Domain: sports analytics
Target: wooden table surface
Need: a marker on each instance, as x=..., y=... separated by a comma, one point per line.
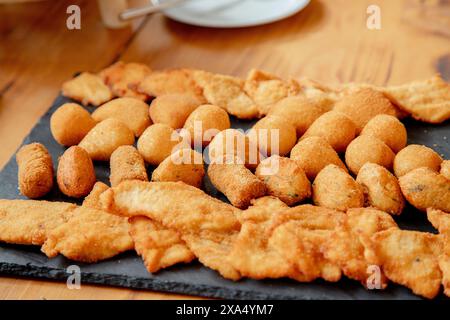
x=328, y=41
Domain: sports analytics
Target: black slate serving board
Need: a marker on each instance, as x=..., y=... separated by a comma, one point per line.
x=127, y=269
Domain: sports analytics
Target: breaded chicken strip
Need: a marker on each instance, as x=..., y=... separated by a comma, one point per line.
x=158, y=246
x=208, y=225
x=92, y=200
x=31, y=221
x=441, y=221
x=409, y=258
x=89, y=236
x=349, y=246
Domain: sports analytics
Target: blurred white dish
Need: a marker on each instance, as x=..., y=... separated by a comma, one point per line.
x=234, y=13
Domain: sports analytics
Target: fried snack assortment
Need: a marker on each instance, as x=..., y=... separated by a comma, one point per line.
x=75, y=174
x=35, y=170
x=70, y=123
x=349, y=231
x=131, y=111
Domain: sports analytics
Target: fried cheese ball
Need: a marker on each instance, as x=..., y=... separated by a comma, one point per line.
x=70, y=123
x=273, y=135
x=334, y=188
x=158, y=142
x=300, y=111
x=284, y=179
x=445, y=168
x=127, y=164
x=425, y=188
x=204, y=123
x=75, y=175
x=313, y=154
x=106, y=137
x=173, y=109
x=366, y=149
x=388, y=129
x=416, y=156
x=235, y=144
x=35, y=170
x=381, y=189
x=363, y=104
x=335, y=127
x=184, y=165
x=131, y=111
x=236, y=182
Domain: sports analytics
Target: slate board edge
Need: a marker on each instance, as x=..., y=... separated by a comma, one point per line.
x=126, y=281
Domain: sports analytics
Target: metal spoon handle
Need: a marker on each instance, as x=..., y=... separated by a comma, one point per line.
x=148, y=9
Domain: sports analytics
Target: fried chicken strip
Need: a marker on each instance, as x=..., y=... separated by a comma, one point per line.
x=207, y=225
x=158, y=246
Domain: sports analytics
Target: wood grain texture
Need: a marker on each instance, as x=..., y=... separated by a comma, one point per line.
x=328, y=41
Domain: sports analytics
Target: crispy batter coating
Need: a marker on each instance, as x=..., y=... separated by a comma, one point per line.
x=363, y=104
x=349, y=246
x=228, y=93
x=207, y=225
x=284, y=179
x=299, y=234
x=204, y=123
x=235, y=144
x=425, y=188
x=184, y=165
x=158, y=142
x=131, y=111
x=70, y=123
x=158, y=246
x=93, y=198
x=313, y=154
x=90, y=235
x=427, y=101
x=409, y=258
x=174, y=81
x=445, y=168
x=388, y=129
x=323, y=95
x=127, y=164
x=441, y=221
x=273, y=135
x=106, y=137
x=366, y=149
x=35, y=170
x=87, y=88
x=335, y=189
x=416, y=156
x=123, y=78
x=381, y=189
x=299, y=110
x=31, y=221
x=335, y=127
x=236, y=182
x=262, y=210
x=75, y=175
x=267, y=89
x=173, y=109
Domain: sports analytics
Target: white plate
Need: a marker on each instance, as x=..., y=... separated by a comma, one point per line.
x=234, y=13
